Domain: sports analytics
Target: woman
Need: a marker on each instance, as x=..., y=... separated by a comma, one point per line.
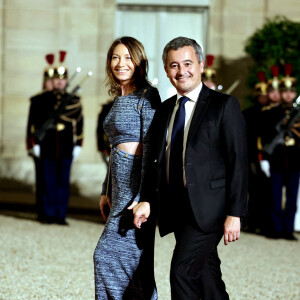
x=123, y=258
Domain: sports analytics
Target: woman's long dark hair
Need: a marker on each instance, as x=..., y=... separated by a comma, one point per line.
x=139, y=58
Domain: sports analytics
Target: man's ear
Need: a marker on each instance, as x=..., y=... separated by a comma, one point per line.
x=202, y=63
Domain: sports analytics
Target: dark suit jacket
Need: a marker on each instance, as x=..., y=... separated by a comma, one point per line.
x=215, y=163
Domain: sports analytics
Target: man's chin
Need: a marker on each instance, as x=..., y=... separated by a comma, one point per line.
x=183, y=89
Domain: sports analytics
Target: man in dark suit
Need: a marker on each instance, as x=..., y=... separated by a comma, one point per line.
x=210, y=196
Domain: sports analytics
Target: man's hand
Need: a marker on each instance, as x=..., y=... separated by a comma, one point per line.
x=232, y=228
x=141, y=212
x=104, y=201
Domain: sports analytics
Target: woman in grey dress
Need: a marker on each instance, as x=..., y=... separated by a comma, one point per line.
x=123, y=258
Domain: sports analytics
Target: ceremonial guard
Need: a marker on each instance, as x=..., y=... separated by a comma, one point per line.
x=209, y=74
x=259, y=187
x=281, y=156
x=273, y=91
x=58, y=135
x=33, y=149
x=268, y=121
x=102, y=140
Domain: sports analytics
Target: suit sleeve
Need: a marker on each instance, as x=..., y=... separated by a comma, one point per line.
x=147, y=114
x=235, y=140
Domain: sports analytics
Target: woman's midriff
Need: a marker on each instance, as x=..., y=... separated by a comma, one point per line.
x=135, y=148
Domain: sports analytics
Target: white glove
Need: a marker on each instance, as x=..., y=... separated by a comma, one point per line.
x=265, y=167
x=76, y=151
x=36, y=151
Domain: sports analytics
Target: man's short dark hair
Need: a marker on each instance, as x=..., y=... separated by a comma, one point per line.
x=181, y=42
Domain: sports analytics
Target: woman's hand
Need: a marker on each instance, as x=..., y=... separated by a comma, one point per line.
x=104, y=200
x=141, y=212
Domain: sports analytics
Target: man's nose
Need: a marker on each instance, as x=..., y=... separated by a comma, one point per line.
x=181, y=70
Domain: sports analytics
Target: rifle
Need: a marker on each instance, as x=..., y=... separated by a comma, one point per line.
x=283, y=128
x=58, y=110
x=232, y=87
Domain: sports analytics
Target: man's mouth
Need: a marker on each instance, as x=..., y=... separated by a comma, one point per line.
x=182, y=78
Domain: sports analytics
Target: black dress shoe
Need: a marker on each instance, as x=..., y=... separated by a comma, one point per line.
x=274, y=235
x=62, y=222
x=47, y=220
x=289, y=236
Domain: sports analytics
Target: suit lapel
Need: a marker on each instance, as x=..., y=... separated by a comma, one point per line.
x=200, y=109
x=166, y=115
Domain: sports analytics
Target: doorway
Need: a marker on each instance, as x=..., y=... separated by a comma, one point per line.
x=155, y=26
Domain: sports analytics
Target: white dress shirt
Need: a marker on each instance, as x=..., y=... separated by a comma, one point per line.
x=189, y=111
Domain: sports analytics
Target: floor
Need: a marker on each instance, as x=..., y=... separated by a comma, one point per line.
x=55, y=262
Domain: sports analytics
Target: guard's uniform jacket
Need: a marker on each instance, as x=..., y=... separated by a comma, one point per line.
x=65, y=132
x=285, y=157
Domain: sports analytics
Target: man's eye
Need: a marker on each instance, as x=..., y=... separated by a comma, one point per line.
x=173, y=66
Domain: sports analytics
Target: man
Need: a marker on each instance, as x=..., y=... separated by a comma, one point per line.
x=268, y=120
x=282, y=164
x=273, y=91
x=58, y=136
x=259, y=188
x=209, y=195
x=33, y=150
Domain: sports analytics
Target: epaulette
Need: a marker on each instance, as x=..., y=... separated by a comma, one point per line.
x=270, y=106
x=267, y=107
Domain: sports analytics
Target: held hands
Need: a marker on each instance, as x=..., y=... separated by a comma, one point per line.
x=76, y=151
x=232, y=227
x=265, y=167
x=104, y=200
x=141, y=212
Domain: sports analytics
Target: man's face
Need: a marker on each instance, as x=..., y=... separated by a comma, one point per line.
x=274, y=96
x=59, y=84
x=288, y=96
x=48, y=85
x=262, y=99
x=183, y=69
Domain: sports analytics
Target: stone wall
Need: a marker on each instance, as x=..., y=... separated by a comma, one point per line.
x=85, y=28
x=30, y=30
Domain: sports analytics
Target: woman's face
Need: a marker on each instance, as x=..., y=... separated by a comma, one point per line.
x=288, y=96
x=122, y=65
